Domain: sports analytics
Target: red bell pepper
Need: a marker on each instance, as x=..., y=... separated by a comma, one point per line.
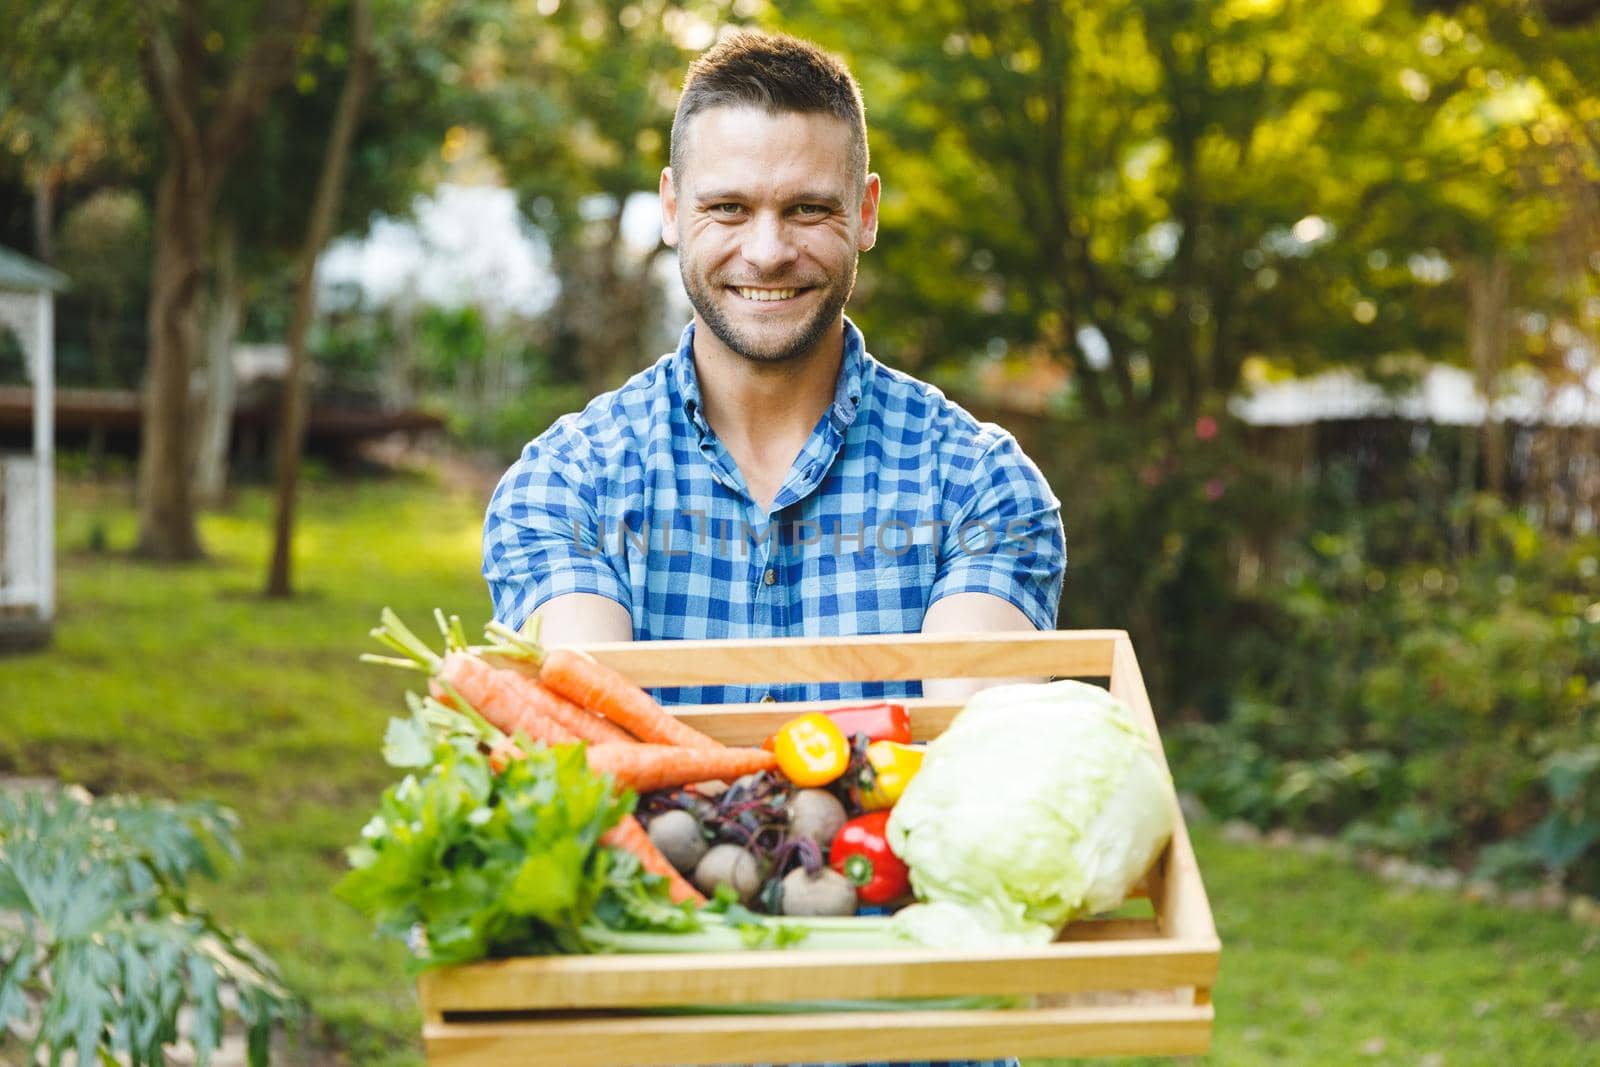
x=877, y=722
x=880, y=722
x=860, y=851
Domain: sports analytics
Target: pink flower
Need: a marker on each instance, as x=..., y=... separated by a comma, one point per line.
x=1215, y=489
x=1205, y=427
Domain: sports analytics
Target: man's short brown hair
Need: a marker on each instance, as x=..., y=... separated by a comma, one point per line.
x=777, y=73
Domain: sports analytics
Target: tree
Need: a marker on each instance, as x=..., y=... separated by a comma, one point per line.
x=263, y=213
x=210, y=73
x=330, y=186
x=1151, y=195
x=104, y=247
x=69, y=109
x=578, y=107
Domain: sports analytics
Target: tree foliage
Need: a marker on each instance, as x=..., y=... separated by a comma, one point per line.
x=1152, y=194
x=578, y=103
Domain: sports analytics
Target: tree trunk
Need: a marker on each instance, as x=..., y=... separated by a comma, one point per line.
x=1488, y=297
x=200, y=144
x=44, y=213
x=222, y=330
x=166, y=513
x=330, y=184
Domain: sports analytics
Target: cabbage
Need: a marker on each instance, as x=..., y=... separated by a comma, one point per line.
x=1040, y=803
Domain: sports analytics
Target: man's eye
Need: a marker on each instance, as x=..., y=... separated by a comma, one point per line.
x=726, y=210
x=810, y=211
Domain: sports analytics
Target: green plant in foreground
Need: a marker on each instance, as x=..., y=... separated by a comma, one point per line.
x=100, y=945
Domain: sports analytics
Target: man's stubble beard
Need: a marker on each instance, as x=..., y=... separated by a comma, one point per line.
x=813, y=331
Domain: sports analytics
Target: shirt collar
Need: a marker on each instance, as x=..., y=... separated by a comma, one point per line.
x=846, y=392
x=687, y=381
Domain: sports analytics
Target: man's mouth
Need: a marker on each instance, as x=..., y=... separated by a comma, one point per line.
x=766, y=295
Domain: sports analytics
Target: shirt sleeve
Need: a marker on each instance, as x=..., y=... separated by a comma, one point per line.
x=1005, y=536
x=542, y=536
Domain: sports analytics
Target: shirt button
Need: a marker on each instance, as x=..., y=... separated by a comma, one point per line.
x=769, y=698
x=771, y=577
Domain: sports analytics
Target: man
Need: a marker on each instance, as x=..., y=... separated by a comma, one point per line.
x=771, y=478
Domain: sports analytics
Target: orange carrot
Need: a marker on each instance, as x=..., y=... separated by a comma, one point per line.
x=520, y=688
x=646, y=767
x=591, y=684
x=489, y=693
x=632, y=837
x=503, y=752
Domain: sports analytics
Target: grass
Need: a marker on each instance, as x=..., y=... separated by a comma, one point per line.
x=1323, y=964
x=182, y=681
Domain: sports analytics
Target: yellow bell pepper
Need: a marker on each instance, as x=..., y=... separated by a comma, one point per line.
x=811, y=750
x=890, y=766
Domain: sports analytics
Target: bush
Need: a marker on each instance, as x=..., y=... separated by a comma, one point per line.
x=1425, y=698
x=107, y=948
x=1160, y=516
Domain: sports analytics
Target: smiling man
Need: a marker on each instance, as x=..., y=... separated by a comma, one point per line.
x=770, y=477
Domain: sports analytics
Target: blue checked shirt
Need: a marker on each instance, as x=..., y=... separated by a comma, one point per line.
x=898, y=498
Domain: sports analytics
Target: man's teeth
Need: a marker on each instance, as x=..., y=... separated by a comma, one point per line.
x=766, y=294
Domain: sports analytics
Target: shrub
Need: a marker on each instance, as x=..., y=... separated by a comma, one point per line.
x=1435, y=694
x=1159, y=517
x=100, y=944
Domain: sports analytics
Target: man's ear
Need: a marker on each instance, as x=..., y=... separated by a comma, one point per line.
x=669, y=209
x=869, y=213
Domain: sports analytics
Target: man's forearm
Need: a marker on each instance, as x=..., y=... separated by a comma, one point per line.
x=967, y=613
x=581, y=619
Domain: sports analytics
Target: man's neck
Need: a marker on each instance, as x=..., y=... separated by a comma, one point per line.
x=760, y=404
x=764, y=412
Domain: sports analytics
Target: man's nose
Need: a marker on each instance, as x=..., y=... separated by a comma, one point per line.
x=769, y=244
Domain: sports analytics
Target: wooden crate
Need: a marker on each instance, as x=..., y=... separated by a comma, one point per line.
x=1108, y=986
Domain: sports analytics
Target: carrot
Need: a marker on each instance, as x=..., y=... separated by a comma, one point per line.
x=492, y=696
x=646, y=767
x=632, y=837
x=589, y=683
x=459, y=668
x=503, y=752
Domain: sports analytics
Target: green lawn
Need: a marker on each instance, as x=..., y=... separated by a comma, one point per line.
x=184, y=682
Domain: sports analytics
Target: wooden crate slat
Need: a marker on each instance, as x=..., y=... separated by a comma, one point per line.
x=776, y=976
x=1176, y=887
x=1111, y=930
x=883, y=657
x=657, y=1041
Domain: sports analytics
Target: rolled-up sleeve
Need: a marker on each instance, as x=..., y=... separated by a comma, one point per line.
x=542, y=535
x=1004, y=536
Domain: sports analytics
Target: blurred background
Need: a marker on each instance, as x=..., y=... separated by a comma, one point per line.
x=1296, y=304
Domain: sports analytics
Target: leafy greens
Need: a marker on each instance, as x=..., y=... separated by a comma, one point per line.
x=467, y=862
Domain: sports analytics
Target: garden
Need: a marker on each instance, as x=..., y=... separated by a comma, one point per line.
x=186, y=685
x=1296, y=307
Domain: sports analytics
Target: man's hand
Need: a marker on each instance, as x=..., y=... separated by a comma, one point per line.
x=964, y=613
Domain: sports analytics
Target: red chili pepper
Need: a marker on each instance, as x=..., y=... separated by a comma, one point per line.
x=860, y=851
x=877, y=722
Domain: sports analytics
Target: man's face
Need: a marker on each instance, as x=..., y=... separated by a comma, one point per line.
x=768, y=220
